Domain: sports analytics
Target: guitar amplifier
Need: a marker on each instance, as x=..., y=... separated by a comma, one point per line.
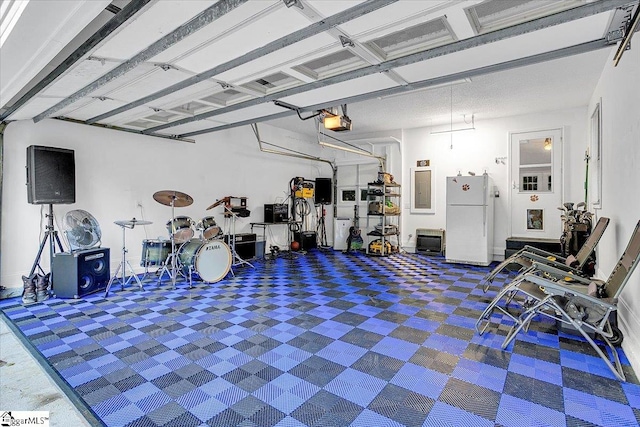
x=277, y=212
x=245, y=244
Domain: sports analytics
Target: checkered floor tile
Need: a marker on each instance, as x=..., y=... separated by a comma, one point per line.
x=324, y=339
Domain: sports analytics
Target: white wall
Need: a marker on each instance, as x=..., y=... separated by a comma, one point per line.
x=476, y=151
x=115, y=170
x=619, y=91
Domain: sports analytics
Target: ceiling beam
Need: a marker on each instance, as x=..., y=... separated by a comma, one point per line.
x=312, y=30
x=450, y=78
x=114, y=23
x=569, y=15
x=204, y=18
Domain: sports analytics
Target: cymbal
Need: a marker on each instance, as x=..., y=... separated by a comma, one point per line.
x=167, y=197
x=131, y=222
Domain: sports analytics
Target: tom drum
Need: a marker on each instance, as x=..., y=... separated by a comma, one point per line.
x=210, y=229
x=155, y=252
x=182, y=229
x=211, y=259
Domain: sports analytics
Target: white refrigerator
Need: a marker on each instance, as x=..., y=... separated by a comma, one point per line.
x=469, y=220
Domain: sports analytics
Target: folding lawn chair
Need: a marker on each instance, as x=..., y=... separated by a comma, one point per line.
x=529, y=254
x=527, y=259
x=577, y=305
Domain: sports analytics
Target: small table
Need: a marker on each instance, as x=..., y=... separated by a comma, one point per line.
x=266, y=225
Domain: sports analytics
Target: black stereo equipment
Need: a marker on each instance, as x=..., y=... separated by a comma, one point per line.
x=323, y=191
x=307, y=239
x=80, y=273
x=277, y=212
x=245, y=244
x=51, y=175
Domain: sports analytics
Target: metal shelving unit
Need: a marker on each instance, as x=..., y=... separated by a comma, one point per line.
x=384, y=209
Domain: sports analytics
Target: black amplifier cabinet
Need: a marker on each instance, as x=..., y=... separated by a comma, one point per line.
x=80, y=273
x=307, y=239
x=245, y=244
x=277, y=212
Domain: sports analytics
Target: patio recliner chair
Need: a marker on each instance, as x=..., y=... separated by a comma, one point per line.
x=527, y=260
x=577, y=305
x=525, y=256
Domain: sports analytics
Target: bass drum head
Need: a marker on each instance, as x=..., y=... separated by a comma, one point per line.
x=188, y=252
x=213, y=261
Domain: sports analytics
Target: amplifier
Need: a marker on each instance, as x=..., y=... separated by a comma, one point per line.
x=277, y=212
x=245, y=244
x=307, y=239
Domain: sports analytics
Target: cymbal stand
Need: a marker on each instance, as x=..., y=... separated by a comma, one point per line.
x=237, y=260
x=123, y=266
x=172, y=257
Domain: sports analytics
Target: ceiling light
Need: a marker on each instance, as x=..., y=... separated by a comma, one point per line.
x=472, y=127
x=337, y=123
x=547, y=144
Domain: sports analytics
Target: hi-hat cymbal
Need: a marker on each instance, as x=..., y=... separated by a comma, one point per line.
x=169, y=197
x=131, y=222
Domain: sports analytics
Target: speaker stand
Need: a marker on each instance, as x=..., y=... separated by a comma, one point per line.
x=123, y=266
x=50, y=235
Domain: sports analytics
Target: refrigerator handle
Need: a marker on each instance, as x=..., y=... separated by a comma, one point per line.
x=484, y=210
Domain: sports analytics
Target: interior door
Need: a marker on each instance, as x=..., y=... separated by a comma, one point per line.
x=536, y=184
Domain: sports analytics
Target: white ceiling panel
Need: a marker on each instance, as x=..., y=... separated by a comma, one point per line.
x=95, y=107
x=290, y=55
x=551, y=38
x=271, y=27
x=192, y=127
x=249, y=113
x=159, y=20
x=129, y=78
x=79, y=76
x=331, y=7
x=194, y=92
x=133, y=114
x=387, y=19
x=34, y=107
x=154, y=81
x=340, y=90
x=233, y=21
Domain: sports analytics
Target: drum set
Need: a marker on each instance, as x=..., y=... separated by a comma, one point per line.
x=208, y=256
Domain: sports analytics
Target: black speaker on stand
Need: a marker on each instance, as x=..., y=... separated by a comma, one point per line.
x=80, y=273
x=322, y=195
x=51, y=179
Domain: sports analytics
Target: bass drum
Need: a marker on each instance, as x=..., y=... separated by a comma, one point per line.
x=211, y=260
x=155, y=252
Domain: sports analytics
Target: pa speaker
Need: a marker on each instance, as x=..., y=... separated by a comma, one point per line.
x=80, y=273
x=51, y=175
x=323, y=191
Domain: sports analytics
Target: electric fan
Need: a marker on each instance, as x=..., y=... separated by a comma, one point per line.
x=82, y=230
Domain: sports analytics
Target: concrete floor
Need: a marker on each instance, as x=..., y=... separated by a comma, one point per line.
x=26, y=386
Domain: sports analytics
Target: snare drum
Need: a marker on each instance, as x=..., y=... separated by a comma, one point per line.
x=211, y=260
x=182, y=230
x=210, y=229
x=155, y=252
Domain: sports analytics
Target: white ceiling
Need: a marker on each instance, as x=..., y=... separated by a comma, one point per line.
x=129, y=64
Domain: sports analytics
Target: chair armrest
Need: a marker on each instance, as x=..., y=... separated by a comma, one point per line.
x=558, y=273
x=543, y=260
x=537, y=251
x=556, y=288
